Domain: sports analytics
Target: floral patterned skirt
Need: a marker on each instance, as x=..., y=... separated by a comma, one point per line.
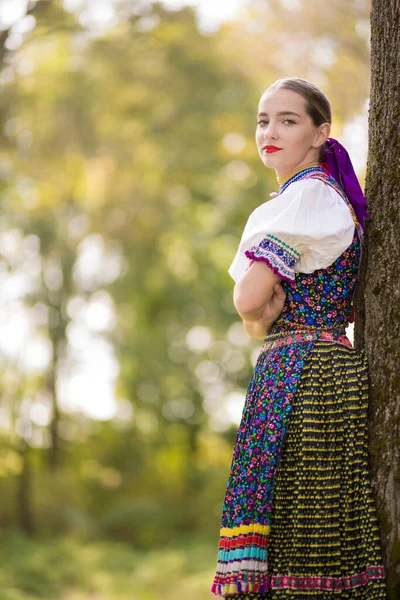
x=299, y=519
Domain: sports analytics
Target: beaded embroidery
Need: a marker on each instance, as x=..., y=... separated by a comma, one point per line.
x=275, y=340
x=280, y=257
x=301, y=175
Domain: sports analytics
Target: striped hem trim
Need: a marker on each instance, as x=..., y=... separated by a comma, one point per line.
x=244, y=529
x=241, y=544
x=327, y=583
x=261, y=583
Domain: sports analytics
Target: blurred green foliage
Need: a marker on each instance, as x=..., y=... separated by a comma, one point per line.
x=127, y=171
x=65, y=569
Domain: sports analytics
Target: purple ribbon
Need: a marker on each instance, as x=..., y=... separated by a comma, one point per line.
x=341, y=168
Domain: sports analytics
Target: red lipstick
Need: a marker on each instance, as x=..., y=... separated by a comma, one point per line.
x=270, y=149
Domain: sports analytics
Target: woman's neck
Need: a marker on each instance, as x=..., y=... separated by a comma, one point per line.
x=282, y=179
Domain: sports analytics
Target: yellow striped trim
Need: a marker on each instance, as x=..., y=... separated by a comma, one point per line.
x=232, y=588
x=243, y=529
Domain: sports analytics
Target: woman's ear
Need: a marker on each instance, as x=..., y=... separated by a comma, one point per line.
x=322, y=134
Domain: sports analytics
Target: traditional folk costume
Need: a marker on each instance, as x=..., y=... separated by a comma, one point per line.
x=298, y=518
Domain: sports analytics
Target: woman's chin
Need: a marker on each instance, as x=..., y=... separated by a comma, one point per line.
x=269, y=162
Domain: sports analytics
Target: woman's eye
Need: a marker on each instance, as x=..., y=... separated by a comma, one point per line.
x=262, y=122
x=290, y=121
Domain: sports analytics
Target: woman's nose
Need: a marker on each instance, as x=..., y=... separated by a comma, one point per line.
x=270, y=131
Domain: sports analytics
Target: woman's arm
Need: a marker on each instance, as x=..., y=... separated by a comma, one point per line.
x=254, y=293
x=259, y=329
x=255, y=329
x=257, y=323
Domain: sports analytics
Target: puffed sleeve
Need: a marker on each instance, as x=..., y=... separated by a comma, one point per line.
x=305, y=228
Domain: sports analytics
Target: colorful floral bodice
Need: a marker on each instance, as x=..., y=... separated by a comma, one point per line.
x=322, y=298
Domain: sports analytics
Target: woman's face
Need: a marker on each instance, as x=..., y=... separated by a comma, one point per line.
x=283, y=123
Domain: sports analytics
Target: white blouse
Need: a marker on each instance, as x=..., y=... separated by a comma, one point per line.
x=305, y=228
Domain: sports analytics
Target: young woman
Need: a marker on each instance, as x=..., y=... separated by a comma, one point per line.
x=298, y=519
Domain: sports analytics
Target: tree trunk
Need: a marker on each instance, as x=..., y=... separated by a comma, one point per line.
x=54, y=450
x=377, y=327
x=24, y=493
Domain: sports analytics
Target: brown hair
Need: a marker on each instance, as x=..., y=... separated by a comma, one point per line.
x=317, y=104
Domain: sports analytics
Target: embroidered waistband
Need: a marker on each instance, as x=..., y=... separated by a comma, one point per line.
x=283, y=338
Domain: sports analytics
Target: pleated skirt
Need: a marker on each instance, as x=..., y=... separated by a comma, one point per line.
x=324, y=541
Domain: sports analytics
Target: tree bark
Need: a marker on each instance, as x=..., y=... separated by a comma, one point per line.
x=377, y=326
x=54, y=450
x=24, y=493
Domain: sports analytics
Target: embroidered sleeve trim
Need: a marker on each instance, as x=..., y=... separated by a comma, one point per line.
x=280, y=257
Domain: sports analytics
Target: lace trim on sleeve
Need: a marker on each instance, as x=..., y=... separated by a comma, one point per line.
x=280, y=257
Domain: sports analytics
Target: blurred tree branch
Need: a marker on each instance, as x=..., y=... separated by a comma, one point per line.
x=34, y=8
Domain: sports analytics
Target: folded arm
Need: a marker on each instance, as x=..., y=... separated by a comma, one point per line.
x=259, y=299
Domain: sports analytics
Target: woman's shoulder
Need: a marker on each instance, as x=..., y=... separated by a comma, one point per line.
x=317, y=193
x=320, y=185
x=294, y=190
x=320, y=193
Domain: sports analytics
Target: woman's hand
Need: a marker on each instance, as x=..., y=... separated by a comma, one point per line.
x=258, y=329
x=274, y=306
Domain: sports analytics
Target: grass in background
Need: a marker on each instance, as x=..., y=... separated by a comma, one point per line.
x=69, y=569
